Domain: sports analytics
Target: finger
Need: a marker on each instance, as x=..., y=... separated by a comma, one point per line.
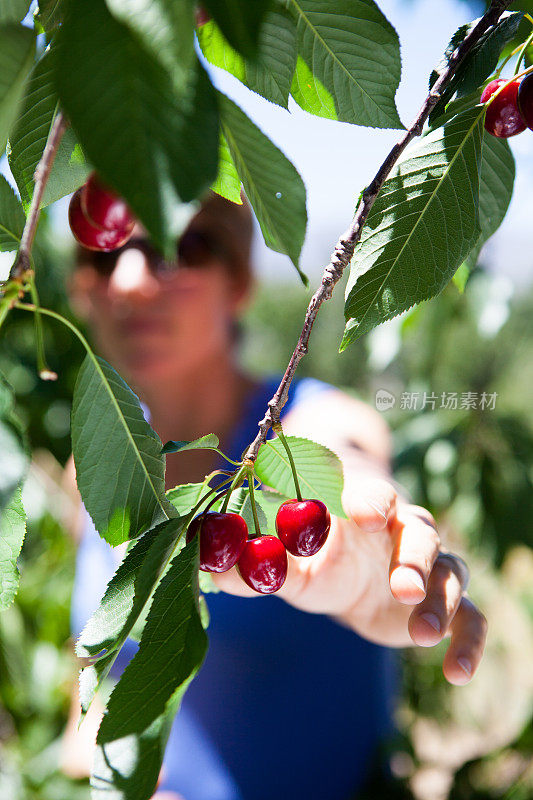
x=232, y=583
x=469, y=633
x=299, y=575
x=415, y=548
x=431, y=619
x=370, y=503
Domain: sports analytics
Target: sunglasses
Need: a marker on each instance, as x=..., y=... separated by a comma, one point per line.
x=195, y=249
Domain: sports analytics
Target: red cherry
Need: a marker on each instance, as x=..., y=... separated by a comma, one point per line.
x=525, y=99
x=303, y=526
x=103, y=208
x=503, y=118
x=222, y=539
x=87, y=234
x=263, y=564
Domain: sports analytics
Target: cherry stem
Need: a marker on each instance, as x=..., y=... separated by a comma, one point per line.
x=278, y=430
x=522, y=53
x=202, y=500
x=507, y=82
x=227, y=458
x=49, y=313
x=5, y=308
x=238, y=479
x=45, y=373
x=252, y=501
x=506, y=60
x=344, y=249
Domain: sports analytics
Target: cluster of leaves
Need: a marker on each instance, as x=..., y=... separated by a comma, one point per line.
x=145, y=114
x=126, y=499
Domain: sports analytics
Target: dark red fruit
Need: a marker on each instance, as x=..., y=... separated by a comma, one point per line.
x=103, y=208
x=303, y=526
x=87, y=234
x=525, y=100
x=503, y=119
x=263, y=564
x=222, y=539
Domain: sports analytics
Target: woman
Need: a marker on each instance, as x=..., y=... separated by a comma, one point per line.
x=296, y=692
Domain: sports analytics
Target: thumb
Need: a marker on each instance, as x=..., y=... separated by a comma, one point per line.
x=370, y=502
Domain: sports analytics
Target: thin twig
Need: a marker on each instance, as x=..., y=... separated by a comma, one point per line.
x=345, y=246
x=22, y=264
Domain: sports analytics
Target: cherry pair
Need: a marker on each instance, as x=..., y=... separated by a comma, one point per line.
x=302, y=527
x=99, y=219
x=511, y=112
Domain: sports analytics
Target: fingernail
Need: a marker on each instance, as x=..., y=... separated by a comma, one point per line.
x=432, y=620
x=378, y=508
x=465, y=665
x=379, y=520
x=413, y=577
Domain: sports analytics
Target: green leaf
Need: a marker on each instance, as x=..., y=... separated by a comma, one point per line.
x=451, y=109
x=17, y=50
x=14, y=458
x=140, y=710
x=270, y=501
x=128, y=769
x=240, y=21
x=13, y=10
x=12, y=217
x=13, y=462
x=240, y=503
x=457, y=39
x=227, y=183
x=319, y=471
x=49, y=14
x=186, y=496
x=30, y=134
x=155, y=145
x=421, y=228
x=310, y=94
x=270, y=73
x=119, y=466
x=460, y=278
x=354, y=52
x=207, y=442
x=165, y=28
x=126, y=596
x=479, y=63
x=483, y=58
x=12, y=532
x=495, y=190
x=272, y=185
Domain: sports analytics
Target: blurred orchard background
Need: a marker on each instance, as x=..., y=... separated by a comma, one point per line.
x=473, y=467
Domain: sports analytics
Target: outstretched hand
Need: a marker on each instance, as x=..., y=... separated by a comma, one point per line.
x=383, y=573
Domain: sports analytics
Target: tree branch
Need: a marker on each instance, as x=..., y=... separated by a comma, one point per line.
x=22, y=264
x=345, y=246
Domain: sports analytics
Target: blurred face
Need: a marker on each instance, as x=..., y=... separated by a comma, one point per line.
x=156, y=323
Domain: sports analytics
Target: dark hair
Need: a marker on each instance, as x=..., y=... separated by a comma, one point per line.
x=230, y=226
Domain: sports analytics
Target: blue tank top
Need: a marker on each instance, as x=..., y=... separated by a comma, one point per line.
x=287, y=705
